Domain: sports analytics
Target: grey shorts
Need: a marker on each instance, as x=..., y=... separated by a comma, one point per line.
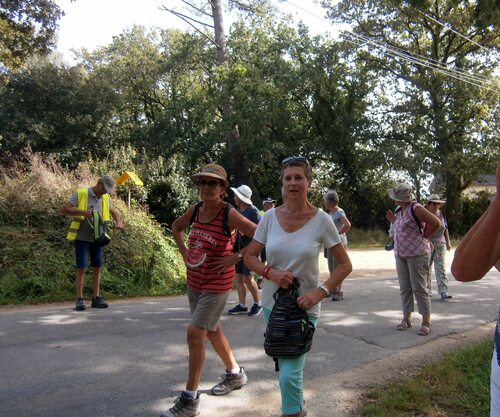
x=206, y=308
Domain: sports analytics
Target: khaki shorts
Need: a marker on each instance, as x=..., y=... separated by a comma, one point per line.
x=206, y=308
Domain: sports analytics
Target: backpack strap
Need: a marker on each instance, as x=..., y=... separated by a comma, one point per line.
x=412, y=210
x=195, y=212
x=225, y=219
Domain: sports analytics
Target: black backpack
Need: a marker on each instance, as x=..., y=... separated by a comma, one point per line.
x=289, y=332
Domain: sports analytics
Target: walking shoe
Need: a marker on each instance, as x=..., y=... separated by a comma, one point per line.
x=255, y=310
x=98, y=302
x=337, y=295
x=80, y=304
x=445, y=296
x=184, y=406
x=230, y=382
x=238, y=309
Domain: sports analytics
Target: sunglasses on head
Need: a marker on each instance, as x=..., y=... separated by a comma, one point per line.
x=291, y=159
x=210, y=183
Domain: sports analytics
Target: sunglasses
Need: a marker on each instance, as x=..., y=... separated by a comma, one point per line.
x=291, y=159
x=432, y=203
x=210, y=183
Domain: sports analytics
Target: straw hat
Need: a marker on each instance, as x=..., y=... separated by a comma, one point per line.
x=212, y=170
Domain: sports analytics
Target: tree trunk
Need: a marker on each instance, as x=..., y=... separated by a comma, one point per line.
x=238, y=164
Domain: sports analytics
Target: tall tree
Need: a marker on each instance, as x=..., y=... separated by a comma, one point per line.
x=27, y=27
x=433, y=53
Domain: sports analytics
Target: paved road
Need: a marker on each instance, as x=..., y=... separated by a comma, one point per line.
x=130, y=360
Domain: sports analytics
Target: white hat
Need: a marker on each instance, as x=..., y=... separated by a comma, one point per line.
x=402, y=192
x=434, y=198
x=244, y=193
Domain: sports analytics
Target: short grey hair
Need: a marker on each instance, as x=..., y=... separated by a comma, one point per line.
x=331, y=196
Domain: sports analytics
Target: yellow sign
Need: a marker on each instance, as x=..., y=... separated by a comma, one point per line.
x=129, y=176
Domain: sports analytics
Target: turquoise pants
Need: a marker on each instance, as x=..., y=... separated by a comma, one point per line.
x=291, y=378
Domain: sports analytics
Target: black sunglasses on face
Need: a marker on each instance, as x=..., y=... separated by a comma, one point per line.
x=210, y=183
x=291, y=159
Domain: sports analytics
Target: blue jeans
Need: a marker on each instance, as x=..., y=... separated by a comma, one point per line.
x=82, y=251
x=291, y=377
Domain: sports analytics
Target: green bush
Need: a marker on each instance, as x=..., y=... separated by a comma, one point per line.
x=36, y=260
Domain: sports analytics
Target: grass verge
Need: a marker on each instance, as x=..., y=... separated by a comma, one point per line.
x=457, y=386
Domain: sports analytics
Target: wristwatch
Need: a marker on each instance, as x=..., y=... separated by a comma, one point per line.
x=326, y=290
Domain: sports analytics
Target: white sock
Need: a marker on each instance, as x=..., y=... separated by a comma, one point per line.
x=234, y=371
x=243, y=305
x=191, y=394
x=259, y=303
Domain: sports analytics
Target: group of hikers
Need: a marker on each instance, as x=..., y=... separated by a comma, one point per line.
x=282, y=245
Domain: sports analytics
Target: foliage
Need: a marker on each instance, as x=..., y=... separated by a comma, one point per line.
x=150, y=102
x=431, y=119
x=37, y=263
x=27, y=27
x=456, y=386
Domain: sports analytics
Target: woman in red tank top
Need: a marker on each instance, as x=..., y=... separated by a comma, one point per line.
x=210, y=261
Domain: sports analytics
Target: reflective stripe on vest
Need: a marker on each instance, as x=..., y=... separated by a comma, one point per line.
x=83, y=200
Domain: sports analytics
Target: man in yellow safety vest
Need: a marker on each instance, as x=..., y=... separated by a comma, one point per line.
x=82, y=205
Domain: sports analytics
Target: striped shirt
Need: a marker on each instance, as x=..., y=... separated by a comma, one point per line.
x=408, y=241
x=210, y=239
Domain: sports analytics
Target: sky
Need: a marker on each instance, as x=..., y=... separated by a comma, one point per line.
x=93, y=23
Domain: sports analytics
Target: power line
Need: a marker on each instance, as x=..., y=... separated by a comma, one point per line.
x=461, y=75
x=449, y=27
x=394, y=51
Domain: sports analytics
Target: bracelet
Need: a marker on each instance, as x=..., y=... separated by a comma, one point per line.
x=265, y=272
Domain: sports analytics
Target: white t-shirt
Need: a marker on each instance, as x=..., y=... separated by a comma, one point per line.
x=296, y=252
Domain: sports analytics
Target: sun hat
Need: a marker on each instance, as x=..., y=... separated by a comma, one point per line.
x=244, y=193
x=434, y=198
x=109, y=183
x=401, y=192
x=211, y=170
x=268, y=200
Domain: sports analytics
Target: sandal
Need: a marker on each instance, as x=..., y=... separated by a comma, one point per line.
x=425, y=330
x=404, y=325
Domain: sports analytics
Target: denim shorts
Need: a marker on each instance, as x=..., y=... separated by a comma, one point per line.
x=82, y=251
x=206, y=308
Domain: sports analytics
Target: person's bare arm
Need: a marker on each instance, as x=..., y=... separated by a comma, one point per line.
x=178, y=227
x=281, y=278
x=116, y=218
x=71, y=210
x=447, y=239
x=479, y=249
x=346, y=225
x=432, y=222
x=342, y=270
x=237, y=221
